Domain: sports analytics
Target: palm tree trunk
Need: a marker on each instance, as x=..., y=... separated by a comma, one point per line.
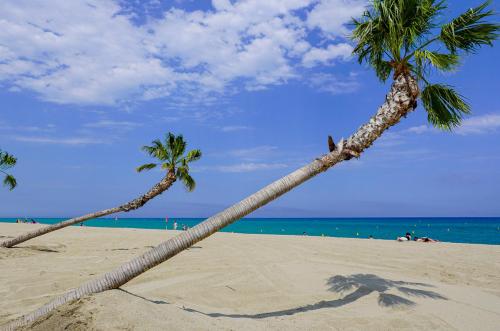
x=158, y=189
x=399, y=102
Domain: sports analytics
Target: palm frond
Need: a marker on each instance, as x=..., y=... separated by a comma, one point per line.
x=10, y=182
x=180, y=146
x=185, y=177
x=468, y=31
x=193, y=155
x=445, y=107
x=170, y=143
x=444, y=62
x=390, y=29
x=175, y=161
x=7, y=160
x=147, y=166
x=417, y=20
x=369, y=34
x=157, y=150
x=168, y=166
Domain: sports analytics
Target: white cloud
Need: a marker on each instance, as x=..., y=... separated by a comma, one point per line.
x=333, y=84
x=250, y=167
x=480, y=124
x=327, y=55
x=200, y=116
x=331, y=16
x=60, y=141
x=232, y=128
x=112, y=124
x=92, y=52
x=389, y=140
x=254, y=152
x=87, y=55
x=419, y=129
x=42, y=128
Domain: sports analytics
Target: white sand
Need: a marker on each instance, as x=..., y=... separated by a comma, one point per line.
x=254, y=282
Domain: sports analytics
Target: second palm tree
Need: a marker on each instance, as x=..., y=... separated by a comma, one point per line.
x=173, y=159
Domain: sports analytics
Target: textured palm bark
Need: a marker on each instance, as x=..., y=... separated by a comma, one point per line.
x=399, y=102
x=156, y=190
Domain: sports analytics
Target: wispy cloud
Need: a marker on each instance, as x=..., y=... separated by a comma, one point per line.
x=113, y=124
x=327, y=55
x=330, y=16
x=113, y=57
x=419, y=129
x=333, y=83
x=232, y=128
x=250, y=167
x=243, y=167
x=27, y=128
x=390, y=139
x=481, y=124
x=61, y=140
x=254, y=152
x=201, y=116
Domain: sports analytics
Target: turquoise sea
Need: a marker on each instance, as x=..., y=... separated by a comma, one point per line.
x=459, y=230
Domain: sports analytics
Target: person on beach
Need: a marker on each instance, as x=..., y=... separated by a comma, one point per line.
x=407, y=237
x=175, y=225
x=426, y=240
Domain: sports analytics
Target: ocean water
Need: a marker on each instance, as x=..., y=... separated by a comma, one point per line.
x=459, y=230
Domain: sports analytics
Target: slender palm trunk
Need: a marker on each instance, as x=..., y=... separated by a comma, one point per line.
x=399, y=102
x=158, y=189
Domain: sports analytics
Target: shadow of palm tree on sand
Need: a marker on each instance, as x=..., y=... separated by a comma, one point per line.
x=158, y=302
x=359, y=285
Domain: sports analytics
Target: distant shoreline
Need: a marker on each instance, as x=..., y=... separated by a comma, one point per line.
x=454, y=230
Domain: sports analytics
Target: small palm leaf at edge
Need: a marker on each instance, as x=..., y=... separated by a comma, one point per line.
x=147, y=166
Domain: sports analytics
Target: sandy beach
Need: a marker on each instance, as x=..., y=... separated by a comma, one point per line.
x=254, y=282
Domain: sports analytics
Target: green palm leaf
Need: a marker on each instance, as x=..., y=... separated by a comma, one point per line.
x=445, y=107
x=468, y=31
x=187, y=180
x=147, y=166
x=193, y=155
x=396, y=36
x=444, y=62
x=7, y=161
x=10, y=182
x=174, y=159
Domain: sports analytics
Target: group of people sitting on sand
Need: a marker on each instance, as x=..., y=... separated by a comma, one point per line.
x=31, y=221
x=407, y=237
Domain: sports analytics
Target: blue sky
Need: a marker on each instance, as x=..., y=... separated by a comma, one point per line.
x=256, y=85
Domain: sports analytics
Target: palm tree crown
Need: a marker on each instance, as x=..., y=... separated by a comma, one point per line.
x=402, y=37
x=172, y=157
x=7, y=161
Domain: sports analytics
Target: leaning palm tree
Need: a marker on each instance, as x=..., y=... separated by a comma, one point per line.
x=173, y=160
x=394, y=36
x=7, y=161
